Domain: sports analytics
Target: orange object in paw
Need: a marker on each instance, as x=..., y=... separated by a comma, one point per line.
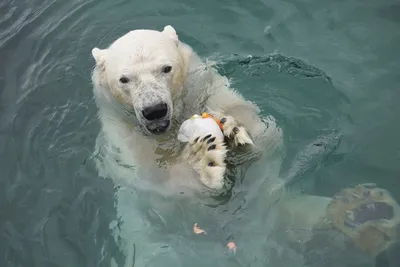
x=206, y=115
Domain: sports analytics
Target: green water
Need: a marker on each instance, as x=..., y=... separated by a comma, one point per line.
x=336, y=83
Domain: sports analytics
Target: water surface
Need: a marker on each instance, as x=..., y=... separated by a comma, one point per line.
x=334, y=80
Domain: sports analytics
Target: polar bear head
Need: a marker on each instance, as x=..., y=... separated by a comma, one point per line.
x=144, y=70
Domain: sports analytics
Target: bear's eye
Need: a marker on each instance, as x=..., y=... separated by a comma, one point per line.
x=123, y=80
x=167, y=69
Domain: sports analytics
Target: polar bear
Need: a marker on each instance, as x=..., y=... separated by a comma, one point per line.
x=147, y=82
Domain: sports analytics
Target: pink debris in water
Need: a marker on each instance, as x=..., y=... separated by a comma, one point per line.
x=231, y=246
x=198, y=230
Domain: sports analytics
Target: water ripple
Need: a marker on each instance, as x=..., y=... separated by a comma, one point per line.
x=54, y=209
x=27, y=17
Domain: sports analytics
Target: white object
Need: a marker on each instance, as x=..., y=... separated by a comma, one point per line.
x=198, y=126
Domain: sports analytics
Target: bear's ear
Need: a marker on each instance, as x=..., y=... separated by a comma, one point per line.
x=99, y=55
x=171, y=33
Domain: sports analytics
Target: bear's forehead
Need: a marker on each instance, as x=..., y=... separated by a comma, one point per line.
x=138, y=61
x=142, y=46
x=143, y=40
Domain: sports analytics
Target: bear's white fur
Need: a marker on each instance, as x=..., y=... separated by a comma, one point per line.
x=130, y=76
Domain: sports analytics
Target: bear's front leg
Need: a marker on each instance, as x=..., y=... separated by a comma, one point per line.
x=206, y=154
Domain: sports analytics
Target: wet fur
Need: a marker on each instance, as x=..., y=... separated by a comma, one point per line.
x=195, y=87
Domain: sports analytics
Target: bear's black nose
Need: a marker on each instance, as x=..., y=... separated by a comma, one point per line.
x=155, y=112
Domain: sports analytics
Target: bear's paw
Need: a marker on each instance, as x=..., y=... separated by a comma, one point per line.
x=232, y=130
x=207, y=156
